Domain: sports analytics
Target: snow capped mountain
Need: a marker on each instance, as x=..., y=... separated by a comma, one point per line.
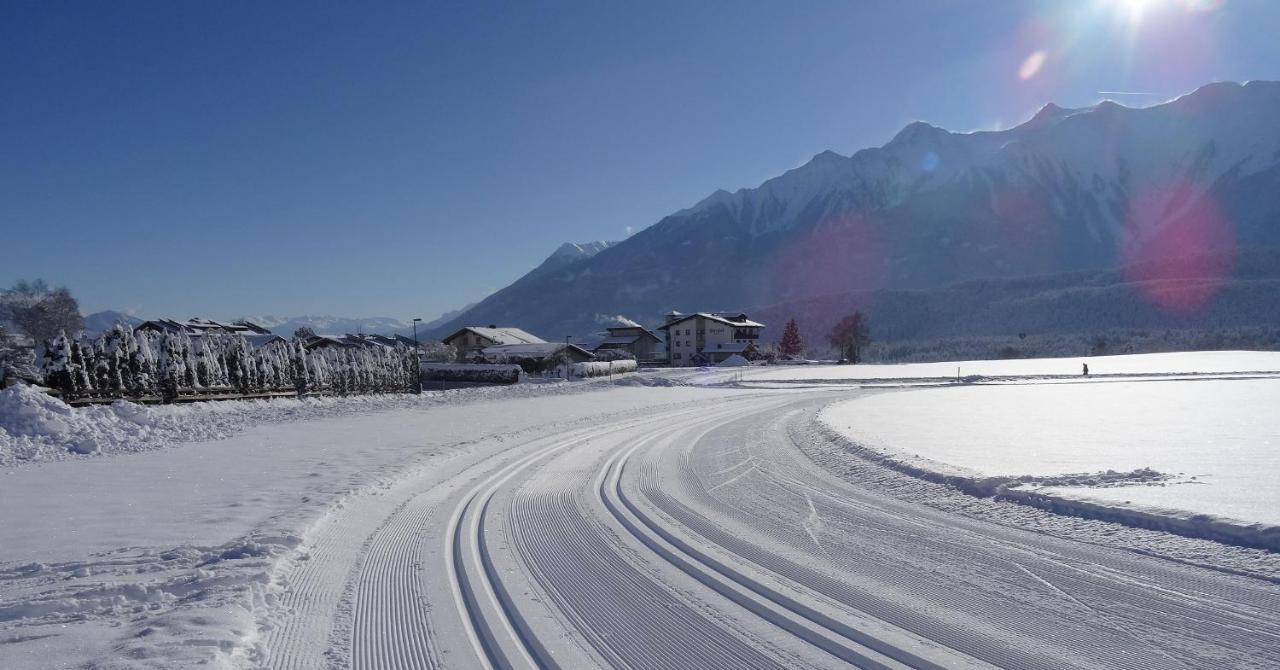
x=1070, y=189
x=102, y=321
x=330, y=325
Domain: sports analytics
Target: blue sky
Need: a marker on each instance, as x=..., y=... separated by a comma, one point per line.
x=401, y=159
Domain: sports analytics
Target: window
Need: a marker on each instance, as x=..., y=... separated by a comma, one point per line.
x=676, y=356
x=686, y=331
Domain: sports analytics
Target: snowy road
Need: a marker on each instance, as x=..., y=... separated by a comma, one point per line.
x=700, y=535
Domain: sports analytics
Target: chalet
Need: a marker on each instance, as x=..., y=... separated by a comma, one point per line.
x=638, y=340
x=472, y=340
x=708, y=337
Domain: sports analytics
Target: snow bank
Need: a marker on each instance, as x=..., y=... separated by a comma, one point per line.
x=36, y=427
x=471, y=372
x=602, y=368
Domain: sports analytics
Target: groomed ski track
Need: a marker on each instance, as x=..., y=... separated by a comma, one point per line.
x=701, y=536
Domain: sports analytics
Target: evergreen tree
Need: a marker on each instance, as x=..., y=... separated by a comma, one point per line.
x=791, y=344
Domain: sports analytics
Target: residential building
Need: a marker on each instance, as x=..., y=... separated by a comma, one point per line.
x=706, y=338
x=638, y=340
x=472, y=340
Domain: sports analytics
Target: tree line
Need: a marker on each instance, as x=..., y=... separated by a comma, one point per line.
x=123, y=363
x=849, y=338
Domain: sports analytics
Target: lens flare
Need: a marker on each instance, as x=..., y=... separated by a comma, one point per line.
x=1180, y=248
x=1032, y=64
x=840, y=255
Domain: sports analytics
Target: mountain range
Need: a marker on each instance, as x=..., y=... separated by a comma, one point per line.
x=1069, y=193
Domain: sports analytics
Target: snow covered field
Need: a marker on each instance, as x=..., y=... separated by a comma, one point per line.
x=1216, y=440
x=1196, y=362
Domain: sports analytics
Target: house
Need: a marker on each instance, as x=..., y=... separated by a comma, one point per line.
x=199, y=326
x=536, y=356
x=638, y=340
x=472, y=340
x=708, y=337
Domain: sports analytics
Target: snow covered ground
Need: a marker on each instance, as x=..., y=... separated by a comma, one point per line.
x=1196, y=362
x=670, y=517
x=169, y=540
x=1214, y=444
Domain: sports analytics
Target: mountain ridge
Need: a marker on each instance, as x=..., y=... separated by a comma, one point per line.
x=1069, y=189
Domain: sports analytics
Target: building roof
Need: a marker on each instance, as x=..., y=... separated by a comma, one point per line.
x=505, y=335
x=364, y=340
x=739, y=320
x=320, y=341
x=197, y=325
x=635, y=331
x=531, y=350
x=258, y=340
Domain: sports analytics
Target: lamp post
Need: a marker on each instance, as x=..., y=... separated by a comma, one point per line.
x=564, y=357
x=417, y=359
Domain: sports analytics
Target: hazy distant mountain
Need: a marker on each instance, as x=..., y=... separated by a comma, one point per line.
x=446, y=317
x=1069, y=190
x=102, y=321
x=330, y=325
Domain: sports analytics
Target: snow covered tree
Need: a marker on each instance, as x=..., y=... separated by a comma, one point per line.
x=57, y=365
x=614, y=355
x=17, y=360
x=850, y=337
x=791, y=344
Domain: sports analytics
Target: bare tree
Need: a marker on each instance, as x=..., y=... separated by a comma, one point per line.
x=850, y=337
x=42, y=312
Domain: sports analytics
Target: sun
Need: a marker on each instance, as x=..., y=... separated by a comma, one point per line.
x=1133, y=9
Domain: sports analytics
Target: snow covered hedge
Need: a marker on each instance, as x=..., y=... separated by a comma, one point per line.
x=124, y=363
x=471, y=372
x=602, y=368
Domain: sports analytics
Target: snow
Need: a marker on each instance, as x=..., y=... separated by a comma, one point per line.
x=734, y=361
x=1195, y=362
x=171, y=549
x=165, y=548
x=1214, y=442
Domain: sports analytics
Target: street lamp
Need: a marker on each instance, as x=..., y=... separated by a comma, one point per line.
x=417, y=359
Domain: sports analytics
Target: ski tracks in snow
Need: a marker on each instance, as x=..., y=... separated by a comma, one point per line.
x=650, y=541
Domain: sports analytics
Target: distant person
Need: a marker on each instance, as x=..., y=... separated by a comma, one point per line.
x=1086, y=370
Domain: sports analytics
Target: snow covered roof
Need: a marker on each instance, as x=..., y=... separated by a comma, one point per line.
x=633, y=331
x=531, y=350
x=738, y=320
x=197, y=325
x=506, y=335
x=735, y=347
x=258, y=340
